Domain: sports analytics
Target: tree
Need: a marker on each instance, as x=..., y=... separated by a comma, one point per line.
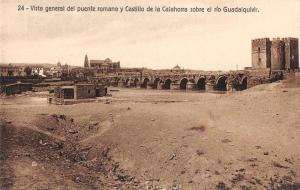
x=28, y=71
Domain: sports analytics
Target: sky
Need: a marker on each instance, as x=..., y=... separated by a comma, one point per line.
x=202, y=41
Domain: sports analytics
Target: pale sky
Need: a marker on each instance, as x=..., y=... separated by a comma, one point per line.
x=206, y=41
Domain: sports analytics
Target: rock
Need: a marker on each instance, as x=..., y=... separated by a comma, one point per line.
x=278, y=165
x=226, y=140
x=50, y=128
x=199, y=152
x=288, y=160
x=222, y=186
x=72, y=131
x=34, y=163
x=94, y=123
x=26, y=154
x=200, y=128
x=41, y=143
x=252, y=159
x=62, y=117
x=172, y=156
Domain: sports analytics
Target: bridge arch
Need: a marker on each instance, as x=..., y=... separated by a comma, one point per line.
x=221, y=83
x=244, y=83
x=128, y=82
x=183, y=83
x=115, y=82
x=200, y=85
x=145, y=83
x=108, y=82
x=167, y=84
x=136, y=82
x=240, y=83
x=156, y=83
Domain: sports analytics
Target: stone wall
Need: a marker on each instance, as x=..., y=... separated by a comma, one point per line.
x=17, y=88
x=291, y=53
x=83, y=91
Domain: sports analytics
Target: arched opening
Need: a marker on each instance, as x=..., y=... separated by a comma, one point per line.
x=155, y=83
x=167, y=84
x=127, y=83
x=145, y=83
x=221, y=84
x=117, y=82
x=136, y=82
x=244, y=84
x=108, y=82
x=183, y=84
x=200, y=84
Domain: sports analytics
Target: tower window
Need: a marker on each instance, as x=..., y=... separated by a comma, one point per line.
x=259, y=59
x=258, y=48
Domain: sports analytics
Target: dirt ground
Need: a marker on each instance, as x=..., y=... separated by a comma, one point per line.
x=154, y=139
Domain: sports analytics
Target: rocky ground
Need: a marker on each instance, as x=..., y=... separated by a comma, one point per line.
x=154, y=139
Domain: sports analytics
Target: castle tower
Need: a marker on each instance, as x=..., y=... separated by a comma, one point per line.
x=86, y=62
x=261, y=53
x=278, y=54
x=291, y=53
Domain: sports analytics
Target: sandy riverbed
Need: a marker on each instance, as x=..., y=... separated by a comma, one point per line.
x=155, y=139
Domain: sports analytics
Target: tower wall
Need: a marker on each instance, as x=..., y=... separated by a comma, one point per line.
x=261, y=53
x=277, y=54
x=291, y=53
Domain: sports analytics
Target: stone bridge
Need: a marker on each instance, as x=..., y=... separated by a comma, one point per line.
x=221, y=81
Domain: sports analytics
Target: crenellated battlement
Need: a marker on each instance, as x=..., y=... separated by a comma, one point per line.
x=278, y=43
x=278, y=53
x=260, y=39
x=289, y=39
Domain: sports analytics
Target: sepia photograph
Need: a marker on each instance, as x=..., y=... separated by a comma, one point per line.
x=149, y=95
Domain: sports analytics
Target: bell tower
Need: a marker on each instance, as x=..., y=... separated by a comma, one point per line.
x=86, y=62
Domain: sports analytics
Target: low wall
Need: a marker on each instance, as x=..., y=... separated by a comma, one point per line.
x=17, y=88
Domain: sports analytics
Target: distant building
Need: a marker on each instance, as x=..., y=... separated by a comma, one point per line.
x=37, y=70
x=278, y=54
x=102, y=66
x=56, y=71
x=11, y=70
x=22, y=69
x=176, y=68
